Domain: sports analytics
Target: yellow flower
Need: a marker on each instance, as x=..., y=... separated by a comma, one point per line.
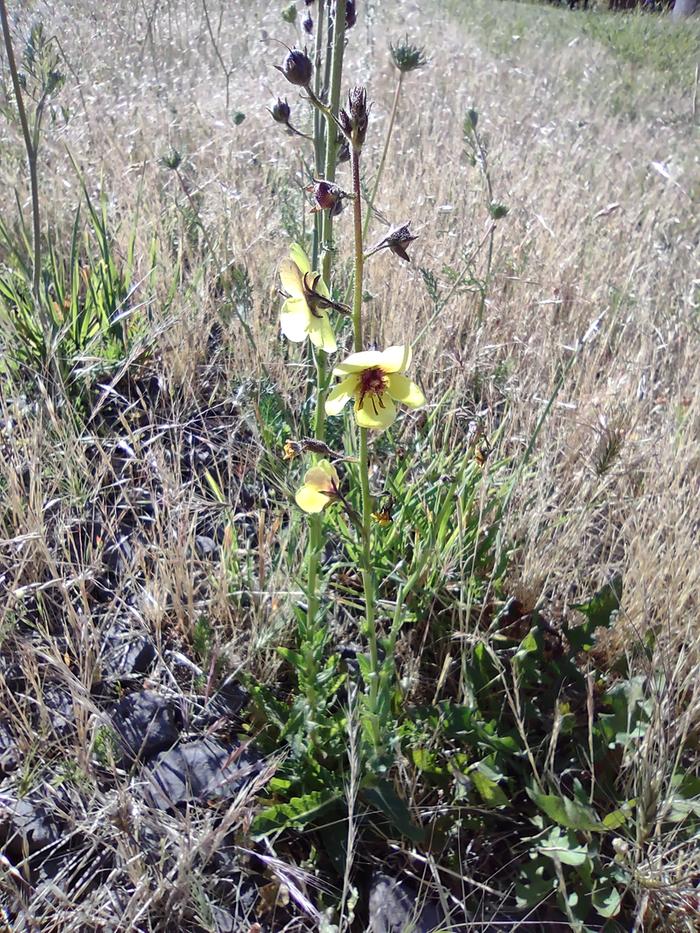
x=304, y=312
x=375, y=380
x=321, y=485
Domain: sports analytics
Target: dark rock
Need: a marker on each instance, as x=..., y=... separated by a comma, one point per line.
x=198, y=771
x=125, y=653
x=26, y=828
x=205, y=546
x=61, y=712
x=146, y=724
x=226, y=703
x=395, y=906
x=9, y=753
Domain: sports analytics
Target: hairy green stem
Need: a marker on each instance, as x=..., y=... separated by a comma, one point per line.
x=385, y=151
x=318, y=130
x=367, y=568
x=316, y=528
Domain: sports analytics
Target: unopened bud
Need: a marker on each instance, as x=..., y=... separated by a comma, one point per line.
x=343, y=151
x=354, y=120
x=280, y=111
x=297, y=68
x=308, y=24
x=350, y=14
x=171, y=160
x=289, y=13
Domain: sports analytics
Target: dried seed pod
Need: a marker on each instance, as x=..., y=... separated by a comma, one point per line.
x=280, y=111
x=396, y=240
x=297, y=68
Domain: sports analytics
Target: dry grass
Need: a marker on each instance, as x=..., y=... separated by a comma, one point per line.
x=597, y=161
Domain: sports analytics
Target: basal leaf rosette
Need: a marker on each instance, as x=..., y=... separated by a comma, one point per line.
x=321, y=486
x=304, y=313
x=375, y=380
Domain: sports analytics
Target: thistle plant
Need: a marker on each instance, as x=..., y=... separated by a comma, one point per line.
x=375, y=381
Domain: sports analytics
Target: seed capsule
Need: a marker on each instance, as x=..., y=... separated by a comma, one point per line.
x=297, y=68
x=281, y=111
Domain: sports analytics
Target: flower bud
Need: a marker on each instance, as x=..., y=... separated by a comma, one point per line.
x=280, y=111
x=354, y=120
x=308, y=24
x=350, y=14
x=171, y=160
x=343, y=151
x=297, y=68
x=289, y=13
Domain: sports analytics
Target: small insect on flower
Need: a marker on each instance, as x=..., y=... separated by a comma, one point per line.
x=383, y=514
x=291, y=450
x=321, y=487
x=304, y=313
x=375, y=380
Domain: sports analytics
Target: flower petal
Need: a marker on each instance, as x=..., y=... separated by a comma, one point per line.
x=299, y=258
x=396, y=359
x=403, y=390
x=292, y=280
x=377, y=412
x=321, y=333
x=356, y=362
x=311, y=500
x=294, y=319
x=340, y=395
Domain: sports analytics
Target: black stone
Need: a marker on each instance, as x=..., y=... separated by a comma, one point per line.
x=124, y=653
x=198, y=771
x=146, y=724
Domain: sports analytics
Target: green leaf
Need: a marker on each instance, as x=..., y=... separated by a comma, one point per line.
x=568, y=813
x=607, y=900
x=489, y=791
x=615, y=819
x=384, y=798
x=297, y=813
x=563, y=846
x=600, y=611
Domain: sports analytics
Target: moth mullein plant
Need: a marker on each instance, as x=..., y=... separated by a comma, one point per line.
x=374, y=380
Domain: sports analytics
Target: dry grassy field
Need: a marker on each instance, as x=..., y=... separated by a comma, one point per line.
x=145, y=504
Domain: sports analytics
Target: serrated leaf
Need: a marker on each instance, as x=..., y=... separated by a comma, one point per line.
x=297, y=813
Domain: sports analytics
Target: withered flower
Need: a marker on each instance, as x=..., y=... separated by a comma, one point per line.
x=396, y=240
x=328, y=197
